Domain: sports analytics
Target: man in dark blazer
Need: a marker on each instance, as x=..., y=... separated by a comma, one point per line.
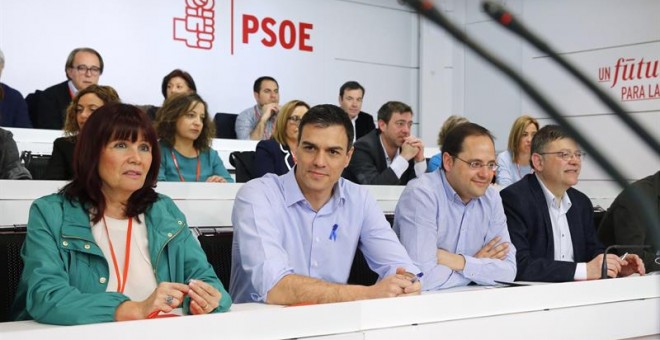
x=83, y=67
x=551, y=223
x=350, y=100
x=389, y=155
x=623, y=224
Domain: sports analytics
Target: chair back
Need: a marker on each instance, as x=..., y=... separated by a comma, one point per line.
x=11, y=267
x=217, y=246
x=243, y=162
x=225, y=125
x=37, y=164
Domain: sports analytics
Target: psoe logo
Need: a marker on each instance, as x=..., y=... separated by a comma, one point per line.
x=196, y=28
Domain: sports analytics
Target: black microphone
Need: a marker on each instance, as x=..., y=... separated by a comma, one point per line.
x=428, y=10
x=603, y=272
x=502, y=16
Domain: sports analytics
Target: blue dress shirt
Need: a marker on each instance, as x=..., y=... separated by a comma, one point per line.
x=277, y=233
x=435, y=162
x=509, y=172
x=248, y=119
x=430, y=216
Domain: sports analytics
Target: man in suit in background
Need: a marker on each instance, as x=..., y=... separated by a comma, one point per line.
x=350, y=99
x=389, y=155
x=83, y=67
x=551, y=224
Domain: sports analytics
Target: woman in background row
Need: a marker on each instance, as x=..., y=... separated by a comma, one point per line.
x=514, y=162
x=60, y=164
x=175, y=82
x=107, y=247
x=451, y=122
x=186, y=134
x=275, y=155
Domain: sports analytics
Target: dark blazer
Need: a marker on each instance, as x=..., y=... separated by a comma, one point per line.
x=272, y=157
x=622, y=223
x=51, y=107
x=530, y=229
x=363, y=124
x=13, y=109
x=368, y=164
x=60, y=164
x=10, y=163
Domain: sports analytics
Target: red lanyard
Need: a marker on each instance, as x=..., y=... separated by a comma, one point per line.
x=176, y=164
x=121, y=284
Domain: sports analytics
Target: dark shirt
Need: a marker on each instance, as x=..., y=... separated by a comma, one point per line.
x=272, y=157
x=10, y=164
x=622, y=223
x=60, y=164
x=13, y=109
x=51, y=107
x=363, y=124
x=369, y=165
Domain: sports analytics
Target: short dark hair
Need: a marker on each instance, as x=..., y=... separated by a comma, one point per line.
x=327, y=115
x=455, y=137
x=257, y=83
x=181, y=74
x=385, y=112
x=175, y=107
x=545, y=136
x=350, y=85
x=113, y=121
x=72, y=56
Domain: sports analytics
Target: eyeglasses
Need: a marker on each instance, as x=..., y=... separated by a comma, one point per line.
x=566, y=155
x=95, y=71
x=477, y=165
x=294, y=119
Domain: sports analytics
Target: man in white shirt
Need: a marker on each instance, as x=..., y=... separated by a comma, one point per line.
x=551, y=223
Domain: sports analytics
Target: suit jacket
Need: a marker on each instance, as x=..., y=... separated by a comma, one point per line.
x=60, y=164
x=13, y=109
x=363, y=124
x=51, y=107
x=369, y=166
x=10, y=163
x=269, y=158
x=530, y=229
x=622, y=223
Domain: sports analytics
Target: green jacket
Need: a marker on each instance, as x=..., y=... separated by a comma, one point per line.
x=65, y=276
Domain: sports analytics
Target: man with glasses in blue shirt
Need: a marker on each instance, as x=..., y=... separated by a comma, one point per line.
x=551, y=223
x=83, y=67
x=295, y=236
x=389, y=155
x=451, y=220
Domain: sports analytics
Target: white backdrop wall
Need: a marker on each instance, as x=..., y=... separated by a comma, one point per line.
x=592, y=34
x=372, y=41
x=377, y=42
